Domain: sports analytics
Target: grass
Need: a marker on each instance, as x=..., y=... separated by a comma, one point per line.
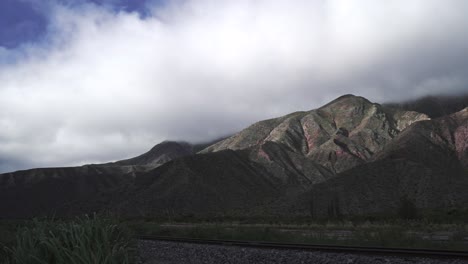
x=95, y=240
x=404, y=234
x=85, y=240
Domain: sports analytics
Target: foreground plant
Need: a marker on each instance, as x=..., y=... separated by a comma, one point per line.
x=86, y=240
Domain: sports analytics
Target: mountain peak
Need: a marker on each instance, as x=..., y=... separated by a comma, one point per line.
x=170, y=144
x=159, y=154
x=347, y=100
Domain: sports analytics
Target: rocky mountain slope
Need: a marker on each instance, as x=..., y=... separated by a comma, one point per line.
x=337, y=136
x=348, y=157
x=426, y=164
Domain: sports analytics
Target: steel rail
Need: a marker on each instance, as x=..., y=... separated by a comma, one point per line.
x=421, y=253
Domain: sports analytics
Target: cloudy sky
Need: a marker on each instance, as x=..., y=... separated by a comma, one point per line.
x=99, y=80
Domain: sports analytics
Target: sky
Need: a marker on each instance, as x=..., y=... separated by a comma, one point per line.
x=89, y=81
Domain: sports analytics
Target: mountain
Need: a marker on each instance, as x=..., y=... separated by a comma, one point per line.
x=46, y=190
x=340, y=135
x=348, y=157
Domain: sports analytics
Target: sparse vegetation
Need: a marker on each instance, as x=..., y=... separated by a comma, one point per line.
x=407, y=209
x=397, y=233
x=85, y=240
x=333, y=210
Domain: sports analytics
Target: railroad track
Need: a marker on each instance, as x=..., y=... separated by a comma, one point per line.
x=422, y=253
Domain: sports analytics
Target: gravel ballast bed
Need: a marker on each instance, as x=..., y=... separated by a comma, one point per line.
x=163, y=252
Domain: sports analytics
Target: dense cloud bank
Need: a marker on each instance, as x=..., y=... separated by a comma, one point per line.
x=104, y=85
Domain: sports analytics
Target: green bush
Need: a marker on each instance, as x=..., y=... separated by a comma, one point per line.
x=86, y=240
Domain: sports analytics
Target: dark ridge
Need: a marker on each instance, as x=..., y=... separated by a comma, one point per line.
x=160, y=153
x=167, y=144
x=344, y=97
x=434, y=106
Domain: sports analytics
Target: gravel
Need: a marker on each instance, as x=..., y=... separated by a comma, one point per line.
x=162, y=252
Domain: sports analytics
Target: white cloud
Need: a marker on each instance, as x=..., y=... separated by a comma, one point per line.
x=106, y=85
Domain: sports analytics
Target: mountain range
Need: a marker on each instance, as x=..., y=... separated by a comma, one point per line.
x=348, y=157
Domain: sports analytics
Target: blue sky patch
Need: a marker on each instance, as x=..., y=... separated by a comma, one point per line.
x=21, y=21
